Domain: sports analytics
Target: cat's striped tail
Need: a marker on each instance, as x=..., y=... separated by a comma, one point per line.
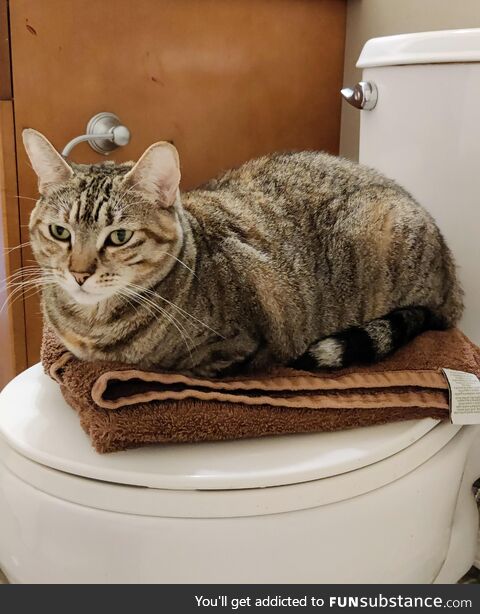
x=371, y=341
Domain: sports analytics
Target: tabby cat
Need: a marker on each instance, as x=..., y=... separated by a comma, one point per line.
x=293, y=258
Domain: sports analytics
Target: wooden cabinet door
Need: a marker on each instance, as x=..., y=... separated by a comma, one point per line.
x=12, y=316
x=225, y=80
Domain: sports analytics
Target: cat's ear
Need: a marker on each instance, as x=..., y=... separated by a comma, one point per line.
x=49, y=165
x=157, y=173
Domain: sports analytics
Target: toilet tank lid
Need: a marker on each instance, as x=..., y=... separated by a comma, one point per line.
x=445, y=46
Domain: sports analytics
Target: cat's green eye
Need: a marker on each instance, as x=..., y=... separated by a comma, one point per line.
x=59, y=232
x=119, y=237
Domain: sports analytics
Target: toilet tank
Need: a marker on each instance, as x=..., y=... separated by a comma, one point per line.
x=424, y=131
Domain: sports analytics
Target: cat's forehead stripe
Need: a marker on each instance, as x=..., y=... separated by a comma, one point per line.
x=92, y=202
x=94, y=197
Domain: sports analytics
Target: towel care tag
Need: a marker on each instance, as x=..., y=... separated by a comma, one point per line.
x=464, y=397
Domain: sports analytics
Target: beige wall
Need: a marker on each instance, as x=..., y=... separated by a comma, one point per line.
x=369, y=18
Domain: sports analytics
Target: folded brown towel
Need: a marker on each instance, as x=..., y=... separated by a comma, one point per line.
x=122, y=407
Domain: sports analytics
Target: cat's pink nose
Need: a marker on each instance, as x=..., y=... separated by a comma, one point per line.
x=80, y=278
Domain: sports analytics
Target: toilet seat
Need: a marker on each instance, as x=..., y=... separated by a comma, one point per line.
x=157, y=514
x=45, y=430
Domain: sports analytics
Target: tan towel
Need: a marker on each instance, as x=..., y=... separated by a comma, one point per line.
x=122, y=407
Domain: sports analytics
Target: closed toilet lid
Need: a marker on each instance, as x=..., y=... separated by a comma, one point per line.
x=38, y=424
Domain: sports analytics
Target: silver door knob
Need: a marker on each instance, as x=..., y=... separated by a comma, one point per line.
x=363, y=95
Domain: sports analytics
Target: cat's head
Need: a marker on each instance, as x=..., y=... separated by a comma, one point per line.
x=104, y=230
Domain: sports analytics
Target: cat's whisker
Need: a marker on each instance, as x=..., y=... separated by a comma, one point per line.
x=23, y=284
x=23, y=272
x=26, y=272
x=19, y=196
x=160, y=310
x=27, y=266
x=140, y=290
x=22, y=293
x=182, y=311
x=10, y=296
x=31, y=292
x=17, y=277
x=18, y=292
x=142, y=300
x=10, y=301
x=12, y=286
x=136, y=305
x=8, y=250
x=15, y=283
x=182, y=263
x=152, y=309
x=126, y=297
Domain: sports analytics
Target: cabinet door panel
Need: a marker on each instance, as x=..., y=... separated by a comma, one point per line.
x=224, y=80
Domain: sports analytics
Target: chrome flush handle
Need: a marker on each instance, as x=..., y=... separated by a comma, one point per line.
x=364, y=95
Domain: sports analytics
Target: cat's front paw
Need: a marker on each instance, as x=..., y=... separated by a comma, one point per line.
x=221, y=368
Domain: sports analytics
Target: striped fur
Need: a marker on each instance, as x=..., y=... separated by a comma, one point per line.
x=369, y=342
x=250, y=270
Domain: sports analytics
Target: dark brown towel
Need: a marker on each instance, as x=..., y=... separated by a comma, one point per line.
x=123, y=407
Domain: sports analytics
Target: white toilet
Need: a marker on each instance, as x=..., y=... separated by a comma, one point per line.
x=384, y=504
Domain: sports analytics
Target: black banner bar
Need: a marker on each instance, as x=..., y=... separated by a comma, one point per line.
x=213, y=599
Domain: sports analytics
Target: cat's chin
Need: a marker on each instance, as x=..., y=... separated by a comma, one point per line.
x=82, y=297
